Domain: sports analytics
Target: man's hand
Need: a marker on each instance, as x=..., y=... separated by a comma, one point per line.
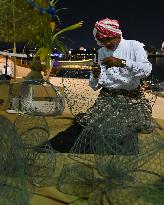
x=112, y=61
x=96, y=70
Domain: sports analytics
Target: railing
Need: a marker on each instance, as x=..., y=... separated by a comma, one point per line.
x=21, y=62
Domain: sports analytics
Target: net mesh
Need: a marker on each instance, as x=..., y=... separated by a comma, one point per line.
x=40, y=162
x=118, y=157
x=116, y=176
x=13, y=181
x=78, y=95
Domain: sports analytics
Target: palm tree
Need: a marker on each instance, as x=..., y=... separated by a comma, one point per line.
x=48, y=40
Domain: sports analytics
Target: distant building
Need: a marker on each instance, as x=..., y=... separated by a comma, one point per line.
x=81, y=54
x=81, y=48
x=75, y=54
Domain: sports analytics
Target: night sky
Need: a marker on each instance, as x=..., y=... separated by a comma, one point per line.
x=139, y=20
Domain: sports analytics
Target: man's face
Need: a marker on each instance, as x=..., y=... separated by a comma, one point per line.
x=110, y=43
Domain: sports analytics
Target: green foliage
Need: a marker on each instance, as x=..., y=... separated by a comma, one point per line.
x=36, y=65
x=19, y=22
x=69, y=28
x=36, y=68
x=49, y=40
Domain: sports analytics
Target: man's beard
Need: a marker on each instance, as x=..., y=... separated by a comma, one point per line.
x=112, y=47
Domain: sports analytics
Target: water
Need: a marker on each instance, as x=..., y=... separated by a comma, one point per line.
x=74, y=73
x=157, y=74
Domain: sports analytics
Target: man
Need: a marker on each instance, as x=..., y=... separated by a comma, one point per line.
x=121, y=110
x=121, y=65
x=122, y=62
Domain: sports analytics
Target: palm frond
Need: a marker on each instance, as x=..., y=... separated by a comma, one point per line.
x=58, y=10
x=60, y=46
x=53, y=2
x=37, y=54
x=69, y=28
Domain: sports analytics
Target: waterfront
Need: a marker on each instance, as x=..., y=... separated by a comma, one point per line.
x=157, y=74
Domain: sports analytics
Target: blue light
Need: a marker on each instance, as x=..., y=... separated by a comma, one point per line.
x=50, y=10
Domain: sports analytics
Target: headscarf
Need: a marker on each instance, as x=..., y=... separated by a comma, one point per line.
x=106, y=28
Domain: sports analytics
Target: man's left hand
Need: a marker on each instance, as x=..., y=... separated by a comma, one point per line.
x=112, y=61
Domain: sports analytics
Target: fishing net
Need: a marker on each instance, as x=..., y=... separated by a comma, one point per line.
x=118, y=157
x=32, y=129
x=20, y=22
x=40, y=162
x=13, y=180
x=114, y=173
x=39, y=97
x=78, y=94
x=80, y=97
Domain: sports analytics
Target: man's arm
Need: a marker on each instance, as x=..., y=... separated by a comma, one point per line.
x=113, y=61
x=141, y=67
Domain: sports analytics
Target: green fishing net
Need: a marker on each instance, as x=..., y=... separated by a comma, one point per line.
x=24, y=164
x=118, y=159
x=13, y=180
x=113, y=173
x=40, y=162
x=78, y=95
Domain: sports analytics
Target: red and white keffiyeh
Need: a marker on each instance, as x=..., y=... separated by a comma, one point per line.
x=106, y=28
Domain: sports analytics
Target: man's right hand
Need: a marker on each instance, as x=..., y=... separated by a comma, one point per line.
x=96, y=70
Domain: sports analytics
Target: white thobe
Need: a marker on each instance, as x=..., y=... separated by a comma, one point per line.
x=128, y=77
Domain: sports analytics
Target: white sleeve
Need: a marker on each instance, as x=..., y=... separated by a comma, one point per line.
x=141, y=67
